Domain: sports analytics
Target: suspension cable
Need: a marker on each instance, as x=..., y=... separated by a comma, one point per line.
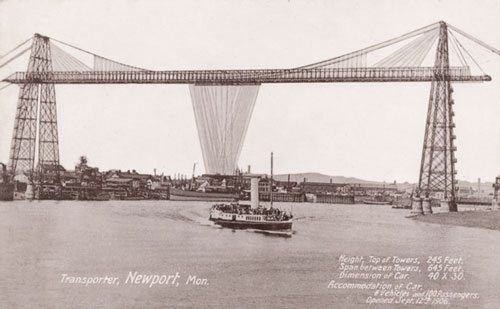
x=10, y=51
x=470, y=37
x=7, y=85
x=15, y=57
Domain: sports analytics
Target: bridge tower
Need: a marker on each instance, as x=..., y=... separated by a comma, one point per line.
x=437, y=168
x=35, y=125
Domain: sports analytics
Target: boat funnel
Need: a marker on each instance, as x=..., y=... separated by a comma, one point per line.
x=254, y=193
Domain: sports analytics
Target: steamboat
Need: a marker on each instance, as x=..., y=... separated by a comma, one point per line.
x=239, y=216
x=253, y=216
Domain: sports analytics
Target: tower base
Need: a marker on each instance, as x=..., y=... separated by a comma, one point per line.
x=495, y=205
x=426, y=206
x=445, y=206
x=416, y=206
x=30, y=192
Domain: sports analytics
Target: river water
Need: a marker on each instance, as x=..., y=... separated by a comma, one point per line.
x=42, y=240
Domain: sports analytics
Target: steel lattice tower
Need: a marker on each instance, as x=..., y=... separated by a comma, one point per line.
x=437, y=169
x=36, y=121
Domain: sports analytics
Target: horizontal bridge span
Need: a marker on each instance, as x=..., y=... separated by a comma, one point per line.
x=330, y=75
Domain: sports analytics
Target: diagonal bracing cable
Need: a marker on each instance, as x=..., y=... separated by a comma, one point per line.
x=99, y=57
x=457, y=50
x=373, y=47
x=422, y=51
x=394, y=58
x=467, y=52
x=424, y=54
x=68, y=62
x=402, y=56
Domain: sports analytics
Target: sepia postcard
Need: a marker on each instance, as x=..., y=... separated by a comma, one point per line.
x=250, y=154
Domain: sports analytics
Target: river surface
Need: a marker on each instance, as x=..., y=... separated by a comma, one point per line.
x=42, y=240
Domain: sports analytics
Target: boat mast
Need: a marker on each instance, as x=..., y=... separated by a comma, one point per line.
x=271, y=182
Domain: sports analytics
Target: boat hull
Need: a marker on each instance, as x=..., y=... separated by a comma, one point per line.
x=266, y=226
x=181, y=195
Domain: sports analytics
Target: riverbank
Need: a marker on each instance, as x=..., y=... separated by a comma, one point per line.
x=481, y=219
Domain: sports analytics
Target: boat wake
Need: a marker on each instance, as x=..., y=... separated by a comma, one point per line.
x=195, y=217
x=303, y=218
x=285, y=234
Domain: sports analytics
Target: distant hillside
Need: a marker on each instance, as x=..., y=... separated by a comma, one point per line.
x=318, y=177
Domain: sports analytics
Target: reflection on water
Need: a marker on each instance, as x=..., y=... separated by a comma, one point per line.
x=245, y=268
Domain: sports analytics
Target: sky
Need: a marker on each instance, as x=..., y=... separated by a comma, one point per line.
x=372, y=131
